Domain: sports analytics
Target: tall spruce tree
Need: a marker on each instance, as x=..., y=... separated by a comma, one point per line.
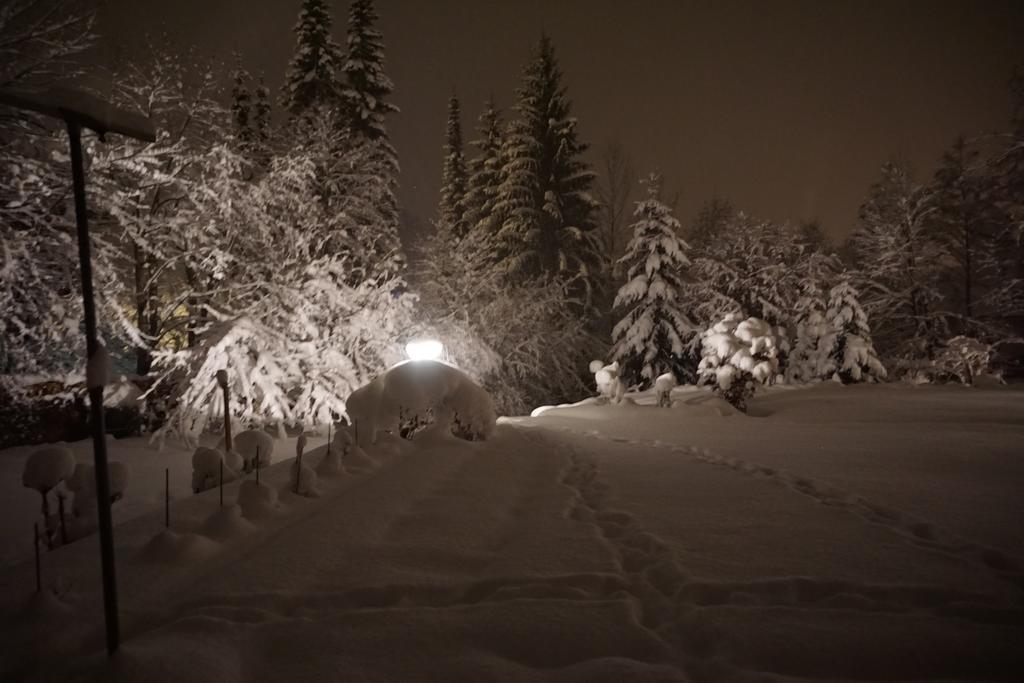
x=242, y=109
x=314, y=72
x=547, y=214
x=652, y=336
x=452, y=208
x=364, y=107
x=484, y=173
x=367, y=86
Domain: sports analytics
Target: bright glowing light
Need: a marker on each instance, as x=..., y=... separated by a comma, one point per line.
x=424, y=349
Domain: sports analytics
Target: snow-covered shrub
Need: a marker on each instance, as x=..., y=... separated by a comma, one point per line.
x=206, y=469
x=609, y=384
x=738, y=355
x=257, y=499
x=663, y=387
x=852, y=352
x=421, y=388
x=654, y=331
x=964, y=358
x=44, y=470
x=247, y=445
x=811, y=357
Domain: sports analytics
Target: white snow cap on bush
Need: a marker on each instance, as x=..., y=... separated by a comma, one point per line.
x=47, y=467
x=734, y=347
x=206, y=468
x=248, y=442
x=411, y=389
x=607, y=379
x=663, y=386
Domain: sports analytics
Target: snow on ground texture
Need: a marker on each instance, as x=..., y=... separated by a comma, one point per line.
x=854, y=533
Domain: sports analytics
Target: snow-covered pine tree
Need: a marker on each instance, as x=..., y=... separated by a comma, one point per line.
x=367, y=85
x=853, y=352
x=242, y=109
x=737, y=356
x=452, y=207
x=811, y=358
x=484, y=172
x=548, y=224
x=654, y=332
x=261, y=123
x=364, y=108
x=900, y=259
x=710, y=224
x=314, y=72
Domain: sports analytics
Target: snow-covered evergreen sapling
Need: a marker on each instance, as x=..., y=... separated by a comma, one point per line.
x=853, y=351
x=738, y=356
x=653, y=334
x=811, y=358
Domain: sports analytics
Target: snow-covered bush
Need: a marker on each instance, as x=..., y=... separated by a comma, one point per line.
x=302, y=478
x=663, y=387
x=246, y=446
x=609, y=384
x=206, y=469
x=430, y=389
x=964, y=358
x=737, y=356
x=44, y=470
x=257, y=499
x=852, y=352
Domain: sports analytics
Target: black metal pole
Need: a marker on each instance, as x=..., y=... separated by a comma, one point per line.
x=99, y=443
x=167, y=497
x=35, y=543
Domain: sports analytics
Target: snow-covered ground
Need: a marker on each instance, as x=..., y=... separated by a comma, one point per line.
x=854, y=533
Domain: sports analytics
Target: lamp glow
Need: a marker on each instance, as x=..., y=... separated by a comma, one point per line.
x=424, y=349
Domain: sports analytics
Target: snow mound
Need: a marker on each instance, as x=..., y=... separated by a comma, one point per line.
x=117, y=473
x=47, y=467
x=257, y=500
x=358, y=460
x=419, y=390
x=248, y=443
x=174, y=548
x=206, y=464
x=303, y=480
x=606, y=377
x=227, y=522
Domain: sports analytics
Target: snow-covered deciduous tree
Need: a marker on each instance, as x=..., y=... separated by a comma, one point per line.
x=738, y=355
x=39, y=284
x=853, y=353
x=900, y=259
x=314, y=77
x=614, y=187
x=452, y=208
x=294, y=333
x=546, y=211
x=654, y=331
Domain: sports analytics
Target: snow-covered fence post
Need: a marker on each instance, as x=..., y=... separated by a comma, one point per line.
x=222, y=380
x=79, y=109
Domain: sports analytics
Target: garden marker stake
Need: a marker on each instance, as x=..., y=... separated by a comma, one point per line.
x=167, y=497
x=35, y=542
x=63, y=526
x=222, y=380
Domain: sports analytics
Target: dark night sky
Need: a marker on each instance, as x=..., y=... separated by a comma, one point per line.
x=786, y=108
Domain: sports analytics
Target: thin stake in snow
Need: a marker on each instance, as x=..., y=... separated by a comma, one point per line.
x=167, y=497
x=63, y=526
x=257, y=463
x=220, y=466
x=300, y=446
x=329, y=425
x=35, y=542
x=222, y=380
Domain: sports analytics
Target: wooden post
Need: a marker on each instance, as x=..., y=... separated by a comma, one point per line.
x=92, y=347
x=222, y=380
x=35, y=542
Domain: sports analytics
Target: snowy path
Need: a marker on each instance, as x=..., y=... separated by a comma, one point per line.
x=590, y=544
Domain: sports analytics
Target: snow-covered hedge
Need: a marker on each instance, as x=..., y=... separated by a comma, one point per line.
x=737, y=356
x=425, y=390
